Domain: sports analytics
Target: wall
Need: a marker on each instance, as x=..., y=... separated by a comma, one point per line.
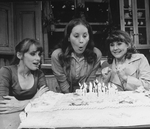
x=5, y=60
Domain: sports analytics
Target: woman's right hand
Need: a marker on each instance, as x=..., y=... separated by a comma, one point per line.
x=11, y=104
x=66, y=91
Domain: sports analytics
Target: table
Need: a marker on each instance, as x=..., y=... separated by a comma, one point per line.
x=9, y=121
x=12, y=121
x=56, y=113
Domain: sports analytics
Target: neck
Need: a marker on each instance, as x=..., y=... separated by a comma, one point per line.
x=78, y=55
x=120, y=61
x=23, y=70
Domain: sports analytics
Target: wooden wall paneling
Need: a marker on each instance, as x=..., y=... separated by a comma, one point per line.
x=28, y=21
x=6, y=28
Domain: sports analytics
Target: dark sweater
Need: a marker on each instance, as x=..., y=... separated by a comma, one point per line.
x=9, y=84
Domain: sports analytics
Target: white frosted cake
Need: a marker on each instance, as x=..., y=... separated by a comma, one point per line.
x=54, y=110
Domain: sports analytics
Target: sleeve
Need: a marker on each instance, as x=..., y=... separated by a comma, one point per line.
x=59, y=72
x=92, y=75
x=5, y=79
x=41, y=79
x=143, y=78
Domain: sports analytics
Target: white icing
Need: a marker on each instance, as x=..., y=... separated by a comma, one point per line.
x=54, y=110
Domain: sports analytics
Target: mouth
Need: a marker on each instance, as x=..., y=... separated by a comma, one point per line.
x=117, y=52
x=36, y=64
x=80, y=49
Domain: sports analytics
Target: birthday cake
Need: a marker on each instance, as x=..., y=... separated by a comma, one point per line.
x=98, y=107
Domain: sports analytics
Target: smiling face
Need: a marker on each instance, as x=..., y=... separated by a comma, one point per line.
x=118, y=49
x=79, y=38
x=31, y=58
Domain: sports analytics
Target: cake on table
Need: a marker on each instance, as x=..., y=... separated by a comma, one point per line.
x=99, y=106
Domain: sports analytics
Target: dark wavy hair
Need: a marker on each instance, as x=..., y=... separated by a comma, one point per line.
x=24, y=46
x=65, y=45
x=120, y=36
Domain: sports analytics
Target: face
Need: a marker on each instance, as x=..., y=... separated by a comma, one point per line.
x=32, y=58
x=79, y=38
x=118, y=49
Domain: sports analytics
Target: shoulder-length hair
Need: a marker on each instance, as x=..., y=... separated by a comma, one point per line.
x=120, y=36
x=24, y=47
x=66, y=46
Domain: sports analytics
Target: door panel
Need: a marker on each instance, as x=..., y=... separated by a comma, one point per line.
x=6, y=28
x=28, y=21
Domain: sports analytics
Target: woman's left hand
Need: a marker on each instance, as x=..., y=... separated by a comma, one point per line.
x=10, y=104
x=41, y=91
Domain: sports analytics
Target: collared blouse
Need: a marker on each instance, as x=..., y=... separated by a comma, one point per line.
x=138, y=71
x=80, y=71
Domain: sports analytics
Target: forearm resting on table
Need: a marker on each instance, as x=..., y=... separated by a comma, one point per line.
x=10, y=104
x=24, y=103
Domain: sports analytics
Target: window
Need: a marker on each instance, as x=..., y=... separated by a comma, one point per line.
x=101, y=14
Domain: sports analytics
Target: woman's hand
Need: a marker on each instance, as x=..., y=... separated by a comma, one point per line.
x=66, y=91
x=106, y=74
x=11, y=104
x=41, y=91
x=121, y=71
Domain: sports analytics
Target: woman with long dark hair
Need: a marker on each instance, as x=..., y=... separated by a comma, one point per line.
x=76, y=60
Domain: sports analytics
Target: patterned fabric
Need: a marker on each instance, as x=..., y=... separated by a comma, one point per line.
x=137, y=70
x=78, y=65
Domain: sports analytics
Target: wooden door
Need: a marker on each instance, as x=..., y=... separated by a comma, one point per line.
x=6, y=28
x=28, y=20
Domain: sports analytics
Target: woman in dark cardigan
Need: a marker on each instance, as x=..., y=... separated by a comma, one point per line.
x=23, y=80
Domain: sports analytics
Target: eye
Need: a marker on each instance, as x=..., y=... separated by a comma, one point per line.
x=111, y=44
x=40, y=54
x=32, y=53
x=119, y=43
x=85, y=35
x=76, y=35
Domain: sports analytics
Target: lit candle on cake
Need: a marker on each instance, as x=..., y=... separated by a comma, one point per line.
x=84, y=89
x=90, y=87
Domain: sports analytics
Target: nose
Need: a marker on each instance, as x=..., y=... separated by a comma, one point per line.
x=81, y=39
x=115, y=47
x=38, y=57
